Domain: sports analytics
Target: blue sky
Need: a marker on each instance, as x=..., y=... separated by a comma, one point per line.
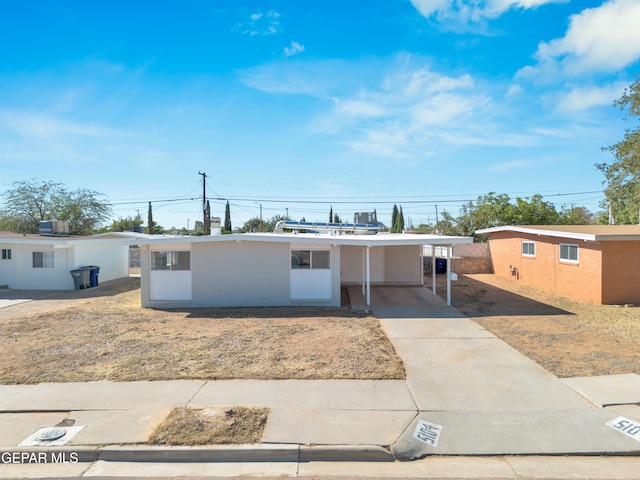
x=304, y=105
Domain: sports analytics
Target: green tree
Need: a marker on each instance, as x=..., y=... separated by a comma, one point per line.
x=397, y=223
x=395, y=213
x=207, y=219
x=576, y=216
x=255, y=224
x=535, y=211
x=487, y=211
x=622, y=176
x=331, y=214
x=227, y=219
x=447, y=224
x=150, y=223
x=123, y=224
x=28, y=202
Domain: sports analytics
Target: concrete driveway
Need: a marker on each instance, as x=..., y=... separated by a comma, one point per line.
x=486, y=397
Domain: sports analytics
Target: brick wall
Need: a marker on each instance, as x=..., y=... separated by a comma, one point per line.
x=464, y=265
x=621, y=273
x=581, y=280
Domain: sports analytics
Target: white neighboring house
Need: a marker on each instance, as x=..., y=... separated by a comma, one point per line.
x=271, y=269
x=36, y=262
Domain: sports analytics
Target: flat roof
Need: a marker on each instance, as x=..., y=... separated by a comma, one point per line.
x=594, y=233
x=34, y=238
x=378, y=240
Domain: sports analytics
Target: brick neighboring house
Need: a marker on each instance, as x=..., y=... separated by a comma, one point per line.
x=597, y=263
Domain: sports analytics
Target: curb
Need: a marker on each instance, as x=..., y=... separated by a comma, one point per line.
x=270, y=453
x=201, y=454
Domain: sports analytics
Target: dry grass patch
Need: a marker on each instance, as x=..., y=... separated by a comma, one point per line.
x=211, y=426
x=569, y=338
x=113, y=338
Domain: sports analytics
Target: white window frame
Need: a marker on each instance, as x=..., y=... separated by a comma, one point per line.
x=318, y=263
x=171, y=259
x=568, y=259
x=528, y=242
x=6, y=254
x=46, y=260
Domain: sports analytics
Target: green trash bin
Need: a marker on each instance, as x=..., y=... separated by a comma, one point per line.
x=81, y=278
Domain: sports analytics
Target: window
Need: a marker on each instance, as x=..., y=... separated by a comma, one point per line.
x=169, y=260
x=6, y=254
x=529, y=249
x=42, y=259
x=310, y=259
x=568, y=252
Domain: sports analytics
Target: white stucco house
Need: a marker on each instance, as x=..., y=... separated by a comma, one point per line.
x=37, y=262
x=277, y=269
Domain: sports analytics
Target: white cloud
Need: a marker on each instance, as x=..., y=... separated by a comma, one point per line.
x=261, y=24
x=514, y=89
x=402, y=107
x=585, y=98
x=473, y=11
x=515, y=164
x=293, y=49
x=41, y=126
x=358, y=108
x=602, y=39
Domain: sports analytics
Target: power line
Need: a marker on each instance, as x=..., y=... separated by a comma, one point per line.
x=377, y=200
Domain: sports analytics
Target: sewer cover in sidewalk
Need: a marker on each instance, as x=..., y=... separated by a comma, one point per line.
x=51, y=437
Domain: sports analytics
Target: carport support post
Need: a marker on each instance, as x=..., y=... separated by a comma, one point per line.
x=364, y=266
x=433, y=267
x=449, y=248
x=368, y=276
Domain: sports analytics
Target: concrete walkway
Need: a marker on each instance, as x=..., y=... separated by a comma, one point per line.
x=488, y=398
x=466, y=393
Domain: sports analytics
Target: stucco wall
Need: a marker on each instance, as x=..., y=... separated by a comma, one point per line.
x=24, y=277
x=398, y=265
x=403, y=265
x=252, y=274
x=112, y=258
x=580, y=280
x=351, y=261
x=240, y=274
x=621, y=273
x=9, y=268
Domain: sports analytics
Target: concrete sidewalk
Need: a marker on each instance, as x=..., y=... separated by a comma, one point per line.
x=466, y=393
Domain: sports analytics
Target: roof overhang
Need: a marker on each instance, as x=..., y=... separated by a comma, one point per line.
x=379, y=240
x=123, y=238
x=563, y=233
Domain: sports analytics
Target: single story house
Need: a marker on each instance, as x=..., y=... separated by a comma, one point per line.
x=277, y=269
x=38, y=262
x=597, y=263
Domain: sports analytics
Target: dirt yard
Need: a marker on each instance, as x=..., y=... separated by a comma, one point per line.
x=83, y=337
x=568, y=338
x=104, y=334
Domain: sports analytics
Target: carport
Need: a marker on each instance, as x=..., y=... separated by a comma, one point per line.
x=399, y=257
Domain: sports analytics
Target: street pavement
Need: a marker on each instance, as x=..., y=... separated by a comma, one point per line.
x=471, y=406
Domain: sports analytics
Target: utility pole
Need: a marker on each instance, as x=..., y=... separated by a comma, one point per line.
x=205, y=223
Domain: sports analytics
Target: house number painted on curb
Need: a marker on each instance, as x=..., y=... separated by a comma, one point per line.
x=428, y=433
x=626, y=426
